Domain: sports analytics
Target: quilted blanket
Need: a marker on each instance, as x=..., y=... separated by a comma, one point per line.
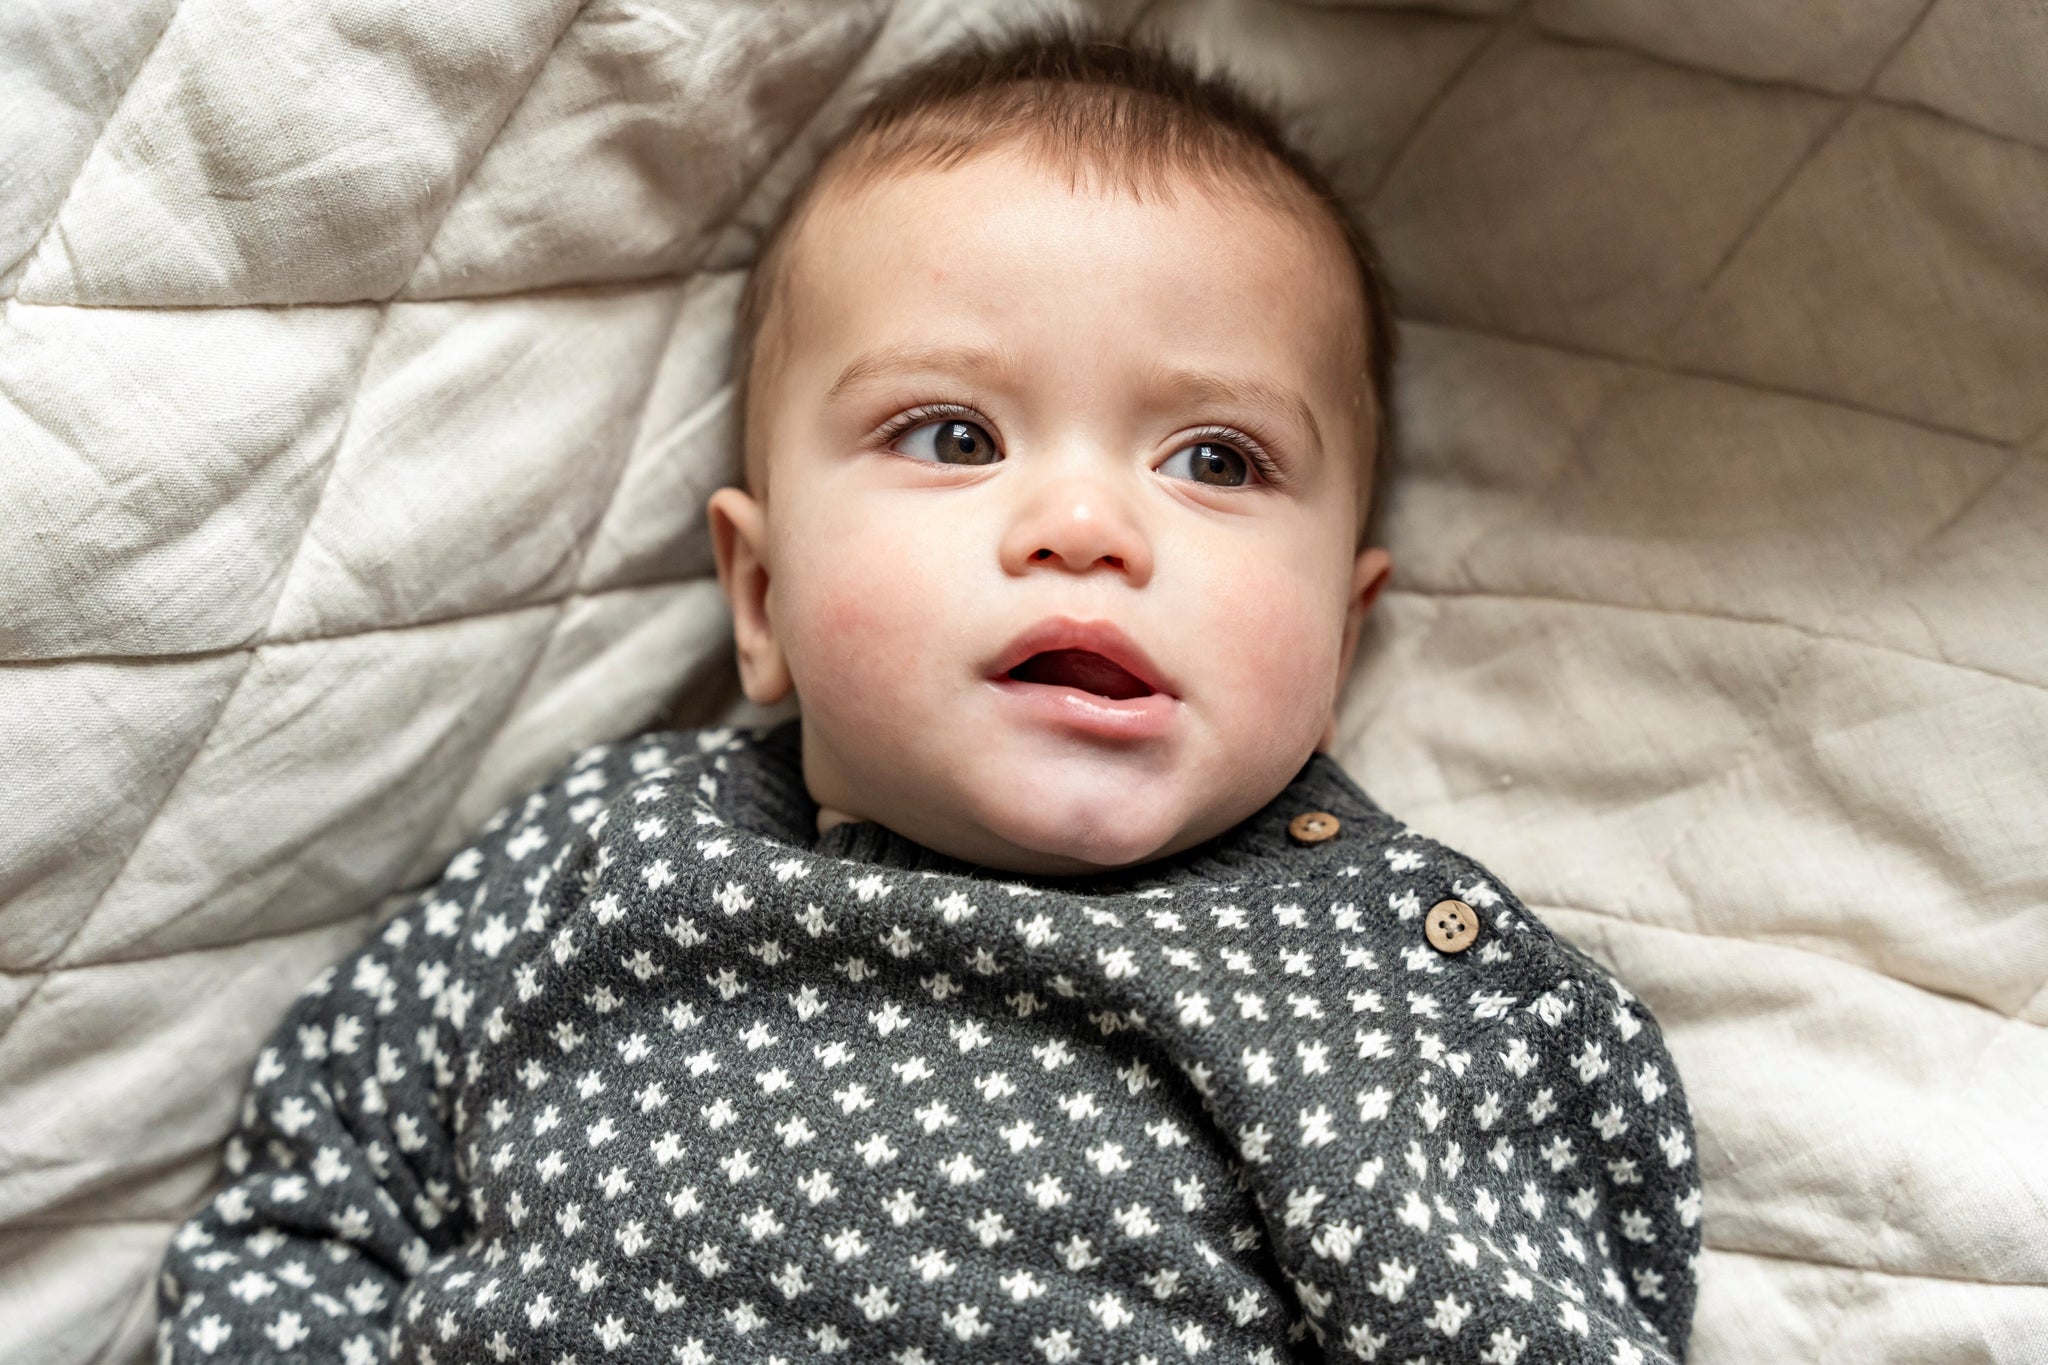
x=364, y=367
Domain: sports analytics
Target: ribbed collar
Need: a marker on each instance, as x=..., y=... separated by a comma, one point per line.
x=763, y=790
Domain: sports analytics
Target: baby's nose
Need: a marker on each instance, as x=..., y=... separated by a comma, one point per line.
x=1046, y=552
x=1078, y=524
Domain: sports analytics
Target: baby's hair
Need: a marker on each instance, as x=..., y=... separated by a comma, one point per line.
x=1088, y=100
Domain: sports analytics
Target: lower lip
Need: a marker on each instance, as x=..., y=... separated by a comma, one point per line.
x=1145, y=717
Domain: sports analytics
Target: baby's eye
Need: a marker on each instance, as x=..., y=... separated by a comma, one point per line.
x=951, y=442
x=1211, y=463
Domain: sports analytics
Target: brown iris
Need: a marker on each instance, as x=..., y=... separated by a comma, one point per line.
x=1217, y=465
x=963, y=443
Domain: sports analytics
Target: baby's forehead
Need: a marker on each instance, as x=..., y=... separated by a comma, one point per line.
x=849, y=184
x=1274, y=211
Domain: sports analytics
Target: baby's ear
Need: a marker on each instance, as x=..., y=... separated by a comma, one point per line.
x=1369, y=574
x=739, y=542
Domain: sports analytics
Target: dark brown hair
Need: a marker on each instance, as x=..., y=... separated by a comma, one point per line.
x=1136, y=111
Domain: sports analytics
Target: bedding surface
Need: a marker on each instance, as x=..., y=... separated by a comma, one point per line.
x=363, y=370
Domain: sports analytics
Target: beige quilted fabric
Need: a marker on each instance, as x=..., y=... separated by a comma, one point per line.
x=363, y=370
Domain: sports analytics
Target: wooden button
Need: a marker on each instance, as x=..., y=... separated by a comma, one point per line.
x=1451, y=926
x=1312, y=826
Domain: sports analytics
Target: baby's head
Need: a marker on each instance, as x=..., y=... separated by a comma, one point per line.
x=1063, y=368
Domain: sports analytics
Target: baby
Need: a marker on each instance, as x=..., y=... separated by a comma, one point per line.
x=1046, y=992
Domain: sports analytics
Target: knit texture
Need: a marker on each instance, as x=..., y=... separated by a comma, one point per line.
x=656, y=1073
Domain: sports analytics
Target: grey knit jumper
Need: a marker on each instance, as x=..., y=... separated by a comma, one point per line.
x=656, y=1073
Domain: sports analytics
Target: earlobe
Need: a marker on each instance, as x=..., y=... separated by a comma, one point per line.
x=739, y=543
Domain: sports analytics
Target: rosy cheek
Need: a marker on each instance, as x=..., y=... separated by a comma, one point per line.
x=1282, y=646
x=834, y=630
x=852, y=629
x=841, y=611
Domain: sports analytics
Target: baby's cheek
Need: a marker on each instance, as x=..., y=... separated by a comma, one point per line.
x=1283, y=645
x=856, y=630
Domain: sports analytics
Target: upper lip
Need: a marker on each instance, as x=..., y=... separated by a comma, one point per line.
x=1097, y=637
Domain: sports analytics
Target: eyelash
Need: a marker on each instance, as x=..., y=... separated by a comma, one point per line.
x=1249, y=446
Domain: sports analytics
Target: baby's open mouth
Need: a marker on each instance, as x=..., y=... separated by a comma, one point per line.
x=1081, y=668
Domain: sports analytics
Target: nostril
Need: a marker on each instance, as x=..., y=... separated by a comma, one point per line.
x=1041, y=554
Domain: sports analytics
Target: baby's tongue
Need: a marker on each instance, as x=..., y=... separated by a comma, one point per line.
x=1079, y=668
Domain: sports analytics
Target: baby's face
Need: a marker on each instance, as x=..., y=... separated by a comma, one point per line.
x=1007, y=405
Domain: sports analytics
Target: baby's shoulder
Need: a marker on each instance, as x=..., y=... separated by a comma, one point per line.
x=552, y=827
x=534, y=855
x=1452, y=920
x=580, y=788
x=1477, y=954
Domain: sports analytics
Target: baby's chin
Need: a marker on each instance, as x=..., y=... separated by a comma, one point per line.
x=1045, y=831
x=1027, y=805
x=1068, y=851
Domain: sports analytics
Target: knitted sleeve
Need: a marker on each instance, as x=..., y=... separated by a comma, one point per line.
x=342, y=1176
x=1532, y=1193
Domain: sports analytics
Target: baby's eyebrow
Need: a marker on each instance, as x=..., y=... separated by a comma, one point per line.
x=983, y=359
x=1202, y=387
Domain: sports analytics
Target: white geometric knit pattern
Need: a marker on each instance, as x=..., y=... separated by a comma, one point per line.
x=635, y=1082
